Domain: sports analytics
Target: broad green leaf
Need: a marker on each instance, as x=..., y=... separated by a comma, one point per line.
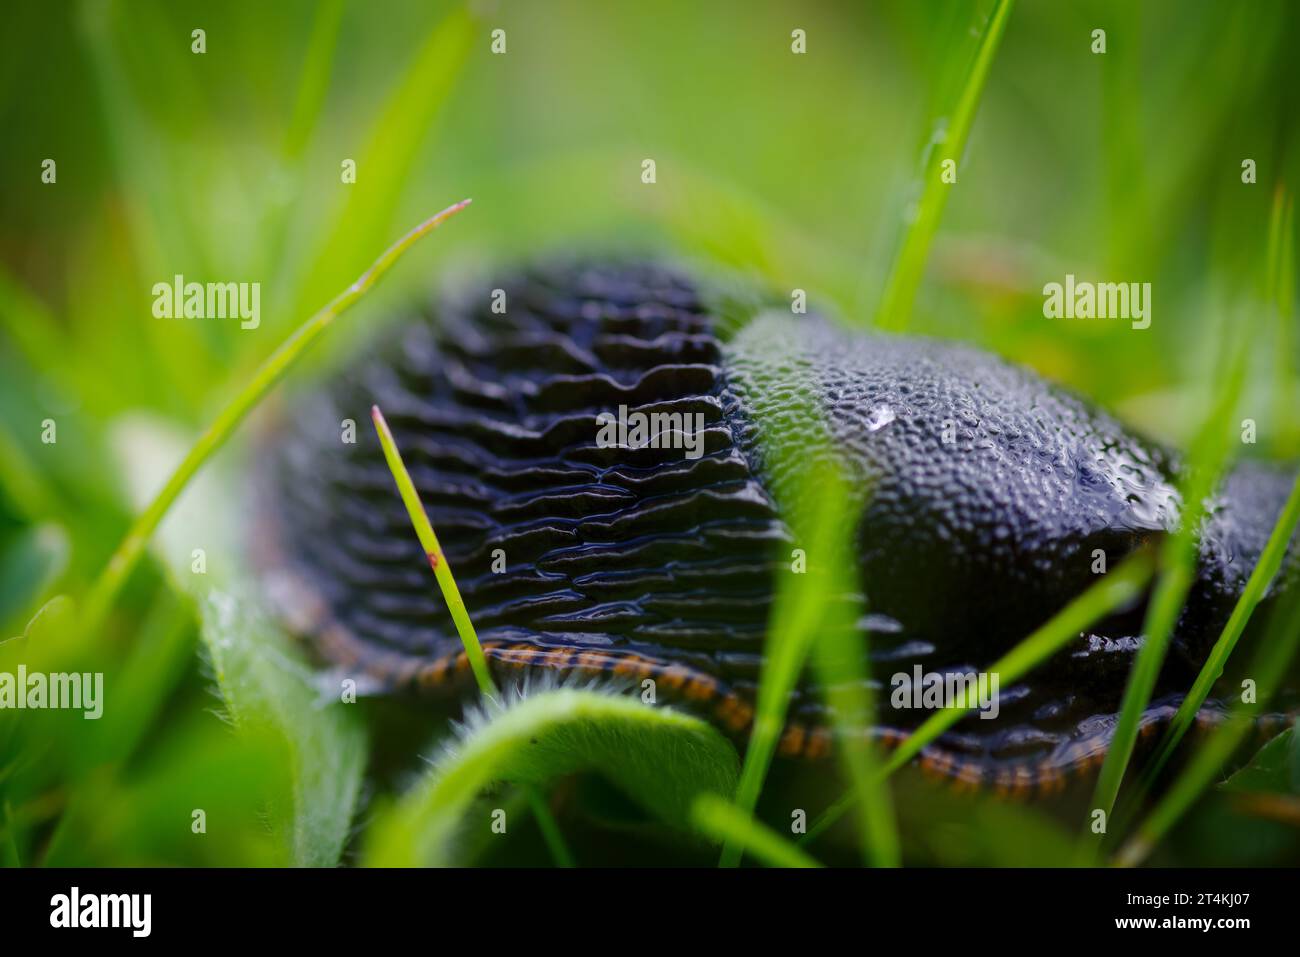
x=148, y=817
x=265, y=685
x=1275, y=769
x=660, y=758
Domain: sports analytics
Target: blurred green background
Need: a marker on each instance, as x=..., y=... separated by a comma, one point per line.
x=795, y=170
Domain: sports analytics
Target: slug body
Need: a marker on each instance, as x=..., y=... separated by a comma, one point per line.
x=986, y=496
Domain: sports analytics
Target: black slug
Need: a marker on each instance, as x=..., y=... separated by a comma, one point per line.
x=989, y=494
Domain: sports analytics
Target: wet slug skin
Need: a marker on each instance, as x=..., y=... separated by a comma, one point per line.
x=593, y=450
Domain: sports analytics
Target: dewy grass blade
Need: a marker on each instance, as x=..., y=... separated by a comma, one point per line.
x=720, y=819
x=1116, y=589
x=268, y=375
x=1265, y=571
x=909, y=266
x=437, y=560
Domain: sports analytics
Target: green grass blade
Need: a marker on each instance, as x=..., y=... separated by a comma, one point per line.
x=1277, y=294
x=33, y=331
x=555, y=843
x=798, y=616
x=313, y=84
x=1282, y=286
x=816, y=603
x=1205, y=765
x=1275, y=654
x=1266, y=569
x=1115, y=590
x=268, y=689
x=560, y=852
x=315, y=77
x=909, y=267
x=268, y=375
x=841, y=662
x=20, y=480
x=1166, y=602
x=1178, y=563
x=385, y=162
x=722, y=820
x=433, y=550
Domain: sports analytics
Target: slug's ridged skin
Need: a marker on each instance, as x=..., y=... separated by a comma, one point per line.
x=985, y=492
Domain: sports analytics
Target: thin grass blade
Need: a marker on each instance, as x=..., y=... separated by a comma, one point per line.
x=1117, y=589
x=841, y=662
x=722, y=820
x=1208, y=456
x=437, y=560
x=822, y=521
x=268, y=375
x=555, y=843
x=1274, y=657
x=1266, y=569
x=909, y=267
x=385, y=161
